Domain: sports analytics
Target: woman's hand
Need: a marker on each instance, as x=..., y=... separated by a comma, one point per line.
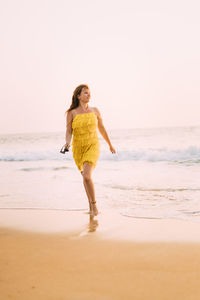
x=67, y=146
x=112, y=149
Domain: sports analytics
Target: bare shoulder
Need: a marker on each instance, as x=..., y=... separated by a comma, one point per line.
x=71, y=114
x=69, y=117
x=96, y=110
x=98, y=114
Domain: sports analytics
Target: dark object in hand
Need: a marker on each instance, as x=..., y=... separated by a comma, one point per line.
x=63, y=150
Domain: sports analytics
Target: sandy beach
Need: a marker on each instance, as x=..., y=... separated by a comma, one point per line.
x=66, y=257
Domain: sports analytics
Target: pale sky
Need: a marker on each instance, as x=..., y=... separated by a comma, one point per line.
x=141, y=60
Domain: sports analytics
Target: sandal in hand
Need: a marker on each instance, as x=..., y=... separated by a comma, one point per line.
x=63, y=149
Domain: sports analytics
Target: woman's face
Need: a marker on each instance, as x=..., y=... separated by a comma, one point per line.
x=84, y=95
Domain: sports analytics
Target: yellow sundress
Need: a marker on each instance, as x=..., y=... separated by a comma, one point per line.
x=85, y=143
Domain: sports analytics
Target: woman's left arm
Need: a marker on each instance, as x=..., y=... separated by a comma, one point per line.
x=103, y=131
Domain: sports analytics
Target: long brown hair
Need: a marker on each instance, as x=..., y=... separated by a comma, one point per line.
x=75, y=100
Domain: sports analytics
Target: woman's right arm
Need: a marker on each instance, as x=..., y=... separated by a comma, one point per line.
x=68, y=135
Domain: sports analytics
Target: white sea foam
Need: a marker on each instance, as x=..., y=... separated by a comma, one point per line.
x=189, y=154
x=163, y=144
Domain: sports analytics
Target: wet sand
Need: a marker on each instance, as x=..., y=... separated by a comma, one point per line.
x=67, y=255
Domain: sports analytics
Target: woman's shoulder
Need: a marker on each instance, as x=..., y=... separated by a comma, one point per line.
x=73, y=113
x=96, y=110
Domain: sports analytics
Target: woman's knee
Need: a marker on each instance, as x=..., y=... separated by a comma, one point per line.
x=86, y=176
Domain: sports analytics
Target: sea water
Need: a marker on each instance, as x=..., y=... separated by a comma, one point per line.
x=154, y=174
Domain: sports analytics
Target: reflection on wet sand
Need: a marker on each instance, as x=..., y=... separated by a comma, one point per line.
x=93, y=224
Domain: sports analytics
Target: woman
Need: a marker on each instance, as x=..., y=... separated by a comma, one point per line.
x=82, y=121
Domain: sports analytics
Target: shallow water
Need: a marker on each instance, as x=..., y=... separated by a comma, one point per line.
x=155, y=173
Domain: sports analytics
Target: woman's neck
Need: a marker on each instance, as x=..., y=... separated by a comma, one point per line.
x=84, y=107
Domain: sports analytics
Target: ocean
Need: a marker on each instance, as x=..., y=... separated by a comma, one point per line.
x=154, y=174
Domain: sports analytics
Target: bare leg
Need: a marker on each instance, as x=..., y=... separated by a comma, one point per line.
x=88, y=195
x=89, y=187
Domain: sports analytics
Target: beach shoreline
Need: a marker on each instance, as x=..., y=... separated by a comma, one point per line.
x=109, y=225
x=75, y=261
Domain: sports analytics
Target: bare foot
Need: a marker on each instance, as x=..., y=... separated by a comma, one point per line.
x=94, y=210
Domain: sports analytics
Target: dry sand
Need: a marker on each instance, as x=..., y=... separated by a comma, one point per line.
x=64, y=255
